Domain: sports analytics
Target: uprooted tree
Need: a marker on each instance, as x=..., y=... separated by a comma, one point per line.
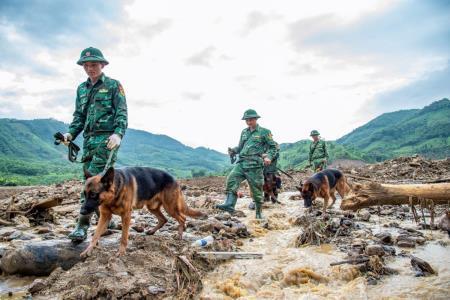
x=373, y=194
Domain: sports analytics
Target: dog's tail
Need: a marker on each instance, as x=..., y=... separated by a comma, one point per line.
x=193, y=213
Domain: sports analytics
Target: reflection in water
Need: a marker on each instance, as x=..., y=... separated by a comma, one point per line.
x=263, y=279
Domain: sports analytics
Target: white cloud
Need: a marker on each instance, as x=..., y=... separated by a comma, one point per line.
x=191, y=68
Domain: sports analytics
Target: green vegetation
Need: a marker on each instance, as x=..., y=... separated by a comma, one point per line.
x=417, y=131
x=295, y=155
x=407, y=132
x=28, y=155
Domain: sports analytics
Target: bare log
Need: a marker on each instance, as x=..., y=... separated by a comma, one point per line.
x=373, y=194
x=45, y=204
x=351, y=261
x=231, y=255
x=5, y=223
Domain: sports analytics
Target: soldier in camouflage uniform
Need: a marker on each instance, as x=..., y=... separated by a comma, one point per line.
x=318, y=155
x=101, y=113
x=256, y=149
x=271, y=178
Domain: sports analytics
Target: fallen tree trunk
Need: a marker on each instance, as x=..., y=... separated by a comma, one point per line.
x=373, y=194
x=40, y=258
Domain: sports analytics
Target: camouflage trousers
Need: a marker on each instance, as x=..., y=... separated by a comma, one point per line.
x=254, y=177
x=96, y=154
x=318, y=165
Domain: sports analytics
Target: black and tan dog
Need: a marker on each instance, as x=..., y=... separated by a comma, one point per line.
x=119, y=191
x=270, y=188
x=324, y=184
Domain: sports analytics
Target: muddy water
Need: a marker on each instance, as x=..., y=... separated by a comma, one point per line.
x=263, y=279
x=14, y=287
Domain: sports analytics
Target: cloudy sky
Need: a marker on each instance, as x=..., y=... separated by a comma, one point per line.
x=190, y=68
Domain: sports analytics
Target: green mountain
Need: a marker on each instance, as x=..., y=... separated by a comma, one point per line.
x=29, y=156
x=295, y=155
x=407, y=132
x=416, y=131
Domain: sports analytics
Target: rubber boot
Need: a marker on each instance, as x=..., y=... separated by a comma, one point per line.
x=258, y=211
x=80, y=232
x=251, y=205
x=111, y=225
x=229, y=204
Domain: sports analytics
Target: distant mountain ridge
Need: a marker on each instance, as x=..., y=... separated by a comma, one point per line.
x=28, y=155
x=423, y=131
x=28, y=144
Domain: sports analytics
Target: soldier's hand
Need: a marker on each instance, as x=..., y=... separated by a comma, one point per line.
x=114, y=141
x=267, y=161
x=67, y=138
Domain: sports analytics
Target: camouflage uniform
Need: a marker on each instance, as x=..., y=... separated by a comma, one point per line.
x=100, y=111
x=252, y=146
x=317, y=154
x=272, y=168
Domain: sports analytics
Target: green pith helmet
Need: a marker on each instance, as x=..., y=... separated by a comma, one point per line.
x=314, y=132
x=249, y=114
x=91, y=54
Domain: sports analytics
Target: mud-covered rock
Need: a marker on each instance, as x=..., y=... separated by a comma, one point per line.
x=364, y=215
x=422, y=267
x=37, y=285
x=375, y=250
x=406, y=243
x=384, y=238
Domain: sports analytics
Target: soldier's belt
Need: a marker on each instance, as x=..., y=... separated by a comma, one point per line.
x=250, y=157
x=98, y=132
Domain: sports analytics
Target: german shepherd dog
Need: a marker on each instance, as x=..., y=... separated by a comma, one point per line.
x=324, y=184
x=119, y=191
x=271, y=184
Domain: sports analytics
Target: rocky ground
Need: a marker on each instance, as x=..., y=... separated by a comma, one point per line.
x=161, y=266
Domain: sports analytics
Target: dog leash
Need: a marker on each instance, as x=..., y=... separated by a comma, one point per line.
x=285, y=173
x=108, y=162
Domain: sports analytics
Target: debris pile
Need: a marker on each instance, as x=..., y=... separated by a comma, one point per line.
x=415, y=169
x=153, y=266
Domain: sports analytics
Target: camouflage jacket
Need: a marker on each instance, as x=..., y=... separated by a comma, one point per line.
x=252, y=146
x=272, y=168
x=318, y=150
x=100, y=109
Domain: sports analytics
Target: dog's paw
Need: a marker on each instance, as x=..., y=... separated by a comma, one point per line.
x=86, y=253
x=121, y=252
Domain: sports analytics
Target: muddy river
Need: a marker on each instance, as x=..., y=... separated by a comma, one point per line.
x=261, y=279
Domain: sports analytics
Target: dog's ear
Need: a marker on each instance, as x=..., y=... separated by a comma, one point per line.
x=108, y=177
x=86, y=172
x=300, y=187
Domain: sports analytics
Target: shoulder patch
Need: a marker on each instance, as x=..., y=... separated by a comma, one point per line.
x=121, y=90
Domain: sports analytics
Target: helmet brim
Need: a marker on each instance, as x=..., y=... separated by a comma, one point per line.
x=250, y=117
x=84, y=59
